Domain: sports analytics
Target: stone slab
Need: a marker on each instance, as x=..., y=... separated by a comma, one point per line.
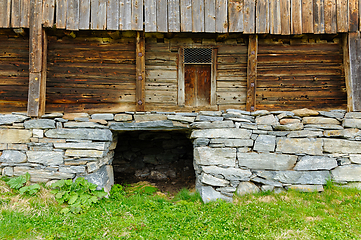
x=341, y=146
x=213, y=125
x=41, y=173
x=15, y=136
x=307, y=188
x=9, y=119
x=245, y=188
x=83, y=153
x=83, y=125
x=347, y=173
x=351, y=123
x=320, y=120
x=150, y=117
x=269, y=161
x=289, y=127
x=213, y=181
x=267, y=120
x=222, y=133
x=103, y=178
x=12, y=157
x=265, y=143
x=39, y=124
x=48, y=158
x=151, y=125
x=215, y=156
x=296, y=177
x=81, y=133
x=181, y=118
x=305, y=133
x=344, y=133
x=311, y=146
x=103, y=116
x=312, y=163
x=208, y=194
x=228, y=173
x=91, y=145
x=123, y=117
x=355, y=158
x=305, y=112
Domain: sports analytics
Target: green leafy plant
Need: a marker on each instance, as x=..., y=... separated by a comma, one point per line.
x=19, y=183
x=79, y=194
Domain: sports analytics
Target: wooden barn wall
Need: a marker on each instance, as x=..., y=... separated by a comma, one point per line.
x=300, y=74
x=90, y=73
x=14, y=72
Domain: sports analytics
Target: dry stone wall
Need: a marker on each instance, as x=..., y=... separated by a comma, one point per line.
x=234, y=151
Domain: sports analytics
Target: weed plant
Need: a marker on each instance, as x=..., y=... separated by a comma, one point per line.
x=141, y=212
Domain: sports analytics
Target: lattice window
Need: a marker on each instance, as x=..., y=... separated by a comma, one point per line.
x=198, y=55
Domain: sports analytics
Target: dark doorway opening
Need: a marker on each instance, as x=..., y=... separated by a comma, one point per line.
x=164, y=158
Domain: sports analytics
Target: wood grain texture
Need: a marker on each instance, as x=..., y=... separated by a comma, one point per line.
x=125, y=14
x=296, y=16
x=354, y=78
x=197, y=15
x=307, y=16
x=140, y=72
x=25, y=13
x=252, y=73
x=162, y=16
x=330, y=16
x=353, y=8
x=262, y=16
x=221, y=16
x=186, y=15
x=84, y=14
x=173, y=16
x=137, y=15
x=342, y=15
x=150, y=12
x=113, y=14
x=249, y=17
x=48, y=13
x=60, y=21
x=5, y=10
x=72, y=20
x=235, y=13
x=15, y=13
x=275, y=17
x=318, y=17
x=180, y=77
x=98, y=15
x=285, y=17
x=210, y=16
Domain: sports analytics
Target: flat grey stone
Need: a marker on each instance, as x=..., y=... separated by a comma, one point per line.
x=233, y=142
x=181, y=118
x=353, y=115
x=285, y=114
x=215, y=156
x=347, y=173
x=226, y=189
x=305, y=112
x=42, y=174
x=8, y=171
x=251, y=126
x=213, y=181
x=324, y=126
x=211, y=113
x=307, y=188
x=83, y=125
x=62, y=120
x=149, y=117
x=341, y=146
x=12, y=157
x=269, y=161
x=264, y=128
x=305, y=133
x=202, y=118
x=245, y=188
x=267, y=188
x=81, y=119
x=103, y=178
x=236, y=115
x=356, y=185
x=213, y=125
x=279, y=133
x=296, y=177
x=8, y=119
x=267, y=120
x=72, y=169
x=338, y=114
x=266, y=182
x=344, y=133
x=228, y=173
x=238, y=111
x=187, y=114
x=355, y=158
x=198, y=142
x=151, y=125
x=103, y=116
x=320, y=120
x=123, y=117
x=311, y=163
x=53, y=115
x=81, y=133
x=288, y=127
x=83, y=153
x=265, y=143
x=47, y=158
x=351, y=123
x=222, y=133
x=208, y=194
x=309, y=146
x=260, y=113
x=40, y=124
x=90, y=145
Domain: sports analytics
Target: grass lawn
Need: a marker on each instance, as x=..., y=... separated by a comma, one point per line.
x=137, y=213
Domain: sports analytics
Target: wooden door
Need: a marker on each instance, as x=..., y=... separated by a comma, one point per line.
x=197, y=84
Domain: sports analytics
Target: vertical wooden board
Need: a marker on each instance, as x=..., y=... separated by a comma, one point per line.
x=296, y=16
x=210, y=16
x=48, y=13
x=342, y=15
x=162, y=16
x=42, y=97
x=330, y=16
x=173, y=16
x=354, y=72
x=5, y=13
x=25, y=13
x=198, y=15
x=214, y=77
x=186, y=15
x=353, y=15
x=252, y=73
x=140, y=71
x=84, y=14
x=222, y=16
x=180, y=77
x=60, y=14
x=262, y=16
x=275, y=17
x=72, y=19
x=137, y=15
x=318, y=17
x=235, y=15
x=125, y=15
x=285, y=17
x=98, y=10
x=15, y=13
x=113, y=14
x=307, y=16
x=150, y=11
x=249, y=17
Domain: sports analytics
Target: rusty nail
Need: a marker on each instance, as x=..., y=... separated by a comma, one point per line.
x=140, y=102
x=252, y=108
x=140, y=54
x=140, y=78
x=252, y=84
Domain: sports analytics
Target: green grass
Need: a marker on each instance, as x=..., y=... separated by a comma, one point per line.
x=139, y=212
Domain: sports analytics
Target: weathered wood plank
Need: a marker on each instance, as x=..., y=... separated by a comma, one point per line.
x=48, y=13
x=296, y=16
x=173, y=16
x=125, y=15
x=210, y=16
x=150, y=11
x=262, y=16
x=180, y=76
x=318, y=17
x=235, y=12
x=162, y=16
x=213, y=90
x=353, y=8
x=307, y=16
x=5, y=11
x=113, y=14
x=342, y=15
x=98, y=12
x=275, y=17
x=137, y=15
x=140, y=72
x=222, y=16
x=252, y=73
x=72, y=19
x=42, y=97
x=249, y=17
x=197, y=15
x=84, y=14
x=285, y=17
x=330, y=16
x=61, y=6
x=25, y=13
x=15, y=13
x=186, y=15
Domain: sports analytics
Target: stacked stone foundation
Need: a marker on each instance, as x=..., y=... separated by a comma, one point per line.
x=234, y=151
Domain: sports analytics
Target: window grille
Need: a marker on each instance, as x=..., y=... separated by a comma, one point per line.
x=198, y=55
